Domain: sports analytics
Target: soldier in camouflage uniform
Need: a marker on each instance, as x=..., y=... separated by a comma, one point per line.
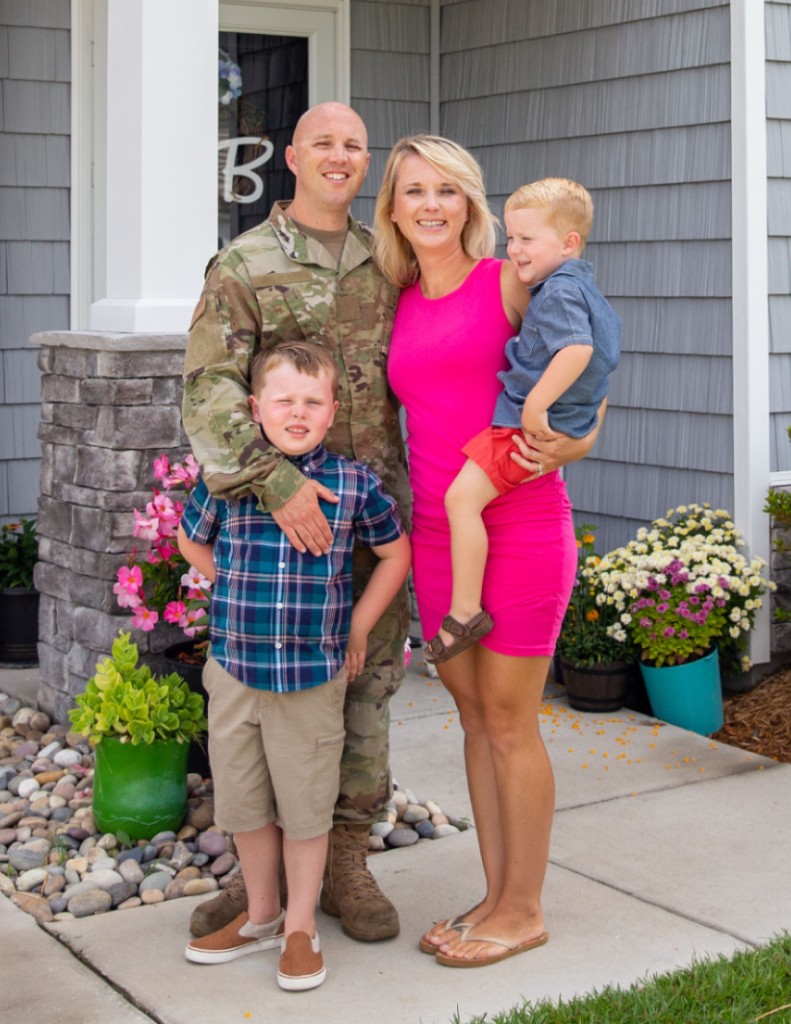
x=307, y=273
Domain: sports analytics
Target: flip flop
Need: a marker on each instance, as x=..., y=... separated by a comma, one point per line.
x=467, y=633
x=451, y=924
x=484, y=961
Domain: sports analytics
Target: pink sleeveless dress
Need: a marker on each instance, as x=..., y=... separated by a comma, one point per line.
x=444, y=358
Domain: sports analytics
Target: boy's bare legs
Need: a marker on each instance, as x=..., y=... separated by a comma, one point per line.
x=304, y=860
x=467, y=497
x=259, y=855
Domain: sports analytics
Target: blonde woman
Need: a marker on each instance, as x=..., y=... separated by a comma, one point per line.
x=435, y=238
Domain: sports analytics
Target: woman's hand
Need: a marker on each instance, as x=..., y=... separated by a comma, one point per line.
x=540, y=457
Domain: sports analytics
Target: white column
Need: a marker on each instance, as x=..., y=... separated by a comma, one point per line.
x=161, y=163
x=750, y=290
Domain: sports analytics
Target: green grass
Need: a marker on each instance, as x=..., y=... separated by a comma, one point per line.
x=750, y=986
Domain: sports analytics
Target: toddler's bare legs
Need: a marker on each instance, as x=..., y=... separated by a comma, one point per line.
x=259, y=855
x=467, y=497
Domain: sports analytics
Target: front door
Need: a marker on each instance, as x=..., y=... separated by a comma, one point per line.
x=272, y=65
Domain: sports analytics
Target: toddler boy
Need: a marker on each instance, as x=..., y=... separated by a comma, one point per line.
x=568, y=344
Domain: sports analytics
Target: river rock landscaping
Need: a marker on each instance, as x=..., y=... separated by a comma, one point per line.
x=54, y=862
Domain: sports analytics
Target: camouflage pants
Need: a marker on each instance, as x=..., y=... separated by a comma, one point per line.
x=365, y=764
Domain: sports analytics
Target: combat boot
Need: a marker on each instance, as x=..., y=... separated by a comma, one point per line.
x=350, y=891
x=212, y=915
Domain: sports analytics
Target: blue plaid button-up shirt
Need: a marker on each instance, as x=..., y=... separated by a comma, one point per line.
x=279, y=619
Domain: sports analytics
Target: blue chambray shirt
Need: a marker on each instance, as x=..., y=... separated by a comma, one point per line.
x=565, y=308
x=280, y=620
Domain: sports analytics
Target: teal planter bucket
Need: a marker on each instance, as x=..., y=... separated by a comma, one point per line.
x=689, y=695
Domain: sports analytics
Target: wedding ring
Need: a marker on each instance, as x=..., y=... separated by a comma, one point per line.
x=540, y=469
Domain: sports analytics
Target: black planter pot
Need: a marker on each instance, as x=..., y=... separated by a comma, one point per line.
x=192, y=673
x=599, y=688
x=18, y=627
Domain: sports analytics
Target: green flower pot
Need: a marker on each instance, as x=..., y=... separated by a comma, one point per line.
x=688, y=695
x=140, y=790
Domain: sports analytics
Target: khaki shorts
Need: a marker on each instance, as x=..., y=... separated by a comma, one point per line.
x=274, y=757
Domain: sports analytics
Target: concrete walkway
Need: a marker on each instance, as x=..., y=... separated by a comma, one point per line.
x=666, y=847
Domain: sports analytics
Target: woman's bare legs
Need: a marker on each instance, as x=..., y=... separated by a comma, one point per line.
x=512, y=793
x=525, y=799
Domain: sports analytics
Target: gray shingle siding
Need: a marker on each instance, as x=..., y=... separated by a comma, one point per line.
x=34, y=226
x=390, y=79
x=633, y=100
x=778, y=108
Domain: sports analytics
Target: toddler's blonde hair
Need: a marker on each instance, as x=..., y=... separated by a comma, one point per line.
x=569, y=203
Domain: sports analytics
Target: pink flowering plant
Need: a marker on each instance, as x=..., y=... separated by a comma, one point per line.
x=161, y=584
x=685, y=588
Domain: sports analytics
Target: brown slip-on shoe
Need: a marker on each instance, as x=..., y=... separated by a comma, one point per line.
x=239, y=938
x=301, y=964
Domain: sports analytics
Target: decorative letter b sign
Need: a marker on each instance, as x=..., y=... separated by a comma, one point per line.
x=233, y=170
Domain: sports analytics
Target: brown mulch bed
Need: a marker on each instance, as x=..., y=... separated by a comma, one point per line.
x=760, y=720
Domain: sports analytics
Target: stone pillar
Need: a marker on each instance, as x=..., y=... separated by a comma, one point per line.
x=110, y=404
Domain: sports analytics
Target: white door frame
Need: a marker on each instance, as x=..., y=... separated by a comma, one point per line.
x=325, y=24
x=146, y=302
x=750, y=290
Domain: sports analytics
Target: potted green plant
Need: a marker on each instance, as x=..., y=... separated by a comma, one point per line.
x=140, y=726
x=691, y=597
x=18, y=596
x=595, y=650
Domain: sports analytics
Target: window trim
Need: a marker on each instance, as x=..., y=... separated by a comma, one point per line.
x=325, y=23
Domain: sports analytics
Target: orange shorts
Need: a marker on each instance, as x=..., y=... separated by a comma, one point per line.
x=491, y=450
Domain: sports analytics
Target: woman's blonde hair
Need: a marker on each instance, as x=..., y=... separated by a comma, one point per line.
x=393, y=252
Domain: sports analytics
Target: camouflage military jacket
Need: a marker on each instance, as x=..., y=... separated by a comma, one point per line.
x=275, y=284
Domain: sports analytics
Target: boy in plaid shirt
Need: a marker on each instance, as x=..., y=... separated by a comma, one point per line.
x=285, y=640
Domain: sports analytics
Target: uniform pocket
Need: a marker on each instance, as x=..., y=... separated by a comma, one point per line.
x=326, y=772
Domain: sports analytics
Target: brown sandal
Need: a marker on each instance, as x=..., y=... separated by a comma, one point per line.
x=466, y=633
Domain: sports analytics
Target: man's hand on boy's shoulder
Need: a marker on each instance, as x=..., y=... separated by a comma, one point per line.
x=302, y=520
